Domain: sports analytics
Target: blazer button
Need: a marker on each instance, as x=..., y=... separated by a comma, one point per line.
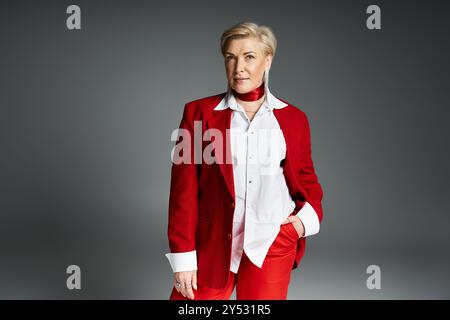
x=232, y=204
x=229, y=236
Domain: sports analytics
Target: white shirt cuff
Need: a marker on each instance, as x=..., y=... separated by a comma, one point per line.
x=183, y=261
x=310, y=220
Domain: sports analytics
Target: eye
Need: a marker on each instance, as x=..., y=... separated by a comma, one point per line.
x=228, y=58
x=250, y=56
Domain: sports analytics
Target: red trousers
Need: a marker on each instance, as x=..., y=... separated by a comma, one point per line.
x=270, y=282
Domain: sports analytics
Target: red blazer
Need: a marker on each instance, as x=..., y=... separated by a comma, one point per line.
x=202, y=198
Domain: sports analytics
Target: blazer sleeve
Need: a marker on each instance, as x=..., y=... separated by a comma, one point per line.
x=183, y=205
x=307, y=175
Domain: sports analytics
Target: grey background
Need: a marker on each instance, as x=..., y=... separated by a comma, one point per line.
x=86, y=118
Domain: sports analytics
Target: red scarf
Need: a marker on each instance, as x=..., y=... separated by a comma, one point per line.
x=253, y=95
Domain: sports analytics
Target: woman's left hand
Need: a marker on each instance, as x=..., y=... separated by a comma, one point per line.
x=297, y=223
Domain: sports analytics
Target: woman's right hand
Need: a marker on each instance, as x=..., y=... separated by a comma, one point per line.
x=188, y=280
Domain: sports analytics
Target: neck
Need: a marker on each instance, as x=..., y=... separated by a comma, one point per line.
x=252, y=100
x=251, y=105
x=253, y=95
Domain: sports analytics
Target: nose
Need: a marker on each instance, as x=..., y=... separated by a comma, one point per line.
x=239, y=66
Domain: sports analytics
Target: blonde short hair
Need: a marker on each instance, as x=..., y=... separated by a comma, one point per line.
x=247, y=29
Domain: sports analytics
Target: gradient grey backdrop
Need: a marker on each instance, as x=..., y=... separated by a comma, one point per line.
x=86, y=118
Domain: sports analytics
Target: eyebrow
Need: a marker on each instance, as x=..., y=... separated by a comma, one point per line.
x=244, y=52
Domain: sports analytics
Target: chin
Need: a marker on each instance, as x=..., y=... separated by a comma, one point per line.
x=242, y=88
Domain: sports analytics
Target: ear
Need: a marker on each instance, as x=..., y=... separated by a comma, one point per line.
x=269, y=59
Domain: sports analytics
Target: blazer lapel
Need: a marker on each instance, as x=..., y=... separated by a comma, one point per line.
x=288, y=126
x=221, y=120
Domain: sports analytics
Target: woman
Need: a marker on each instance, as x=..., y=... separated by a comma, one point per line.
x=240, y=213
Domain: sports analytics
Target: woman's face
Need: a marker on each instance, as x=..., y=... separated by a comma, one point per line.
x=245, y=63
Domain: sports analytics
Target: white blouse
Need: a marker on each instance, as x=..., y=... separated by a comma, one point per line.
x=263, y=201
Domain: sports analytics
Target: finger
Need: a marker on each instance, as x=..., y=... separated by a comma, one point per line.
x=183, y=290
x=189, y=291
x=177, y=280
x=181, y=287
x=194, y=280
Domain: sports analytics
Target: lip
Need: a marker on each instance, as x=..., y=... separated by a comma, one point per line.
x=241, y=80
